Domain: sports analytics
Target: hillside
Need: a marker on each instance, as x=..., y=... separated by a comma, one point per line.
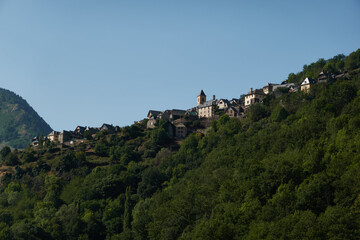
x=289, y=170
x=19, y=122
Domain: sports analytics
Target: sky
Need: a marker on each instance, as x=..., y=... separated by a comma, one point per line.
x=93, y=62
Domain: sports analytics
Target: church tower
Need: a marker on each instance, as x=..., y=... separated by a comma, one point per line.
x=201, y=98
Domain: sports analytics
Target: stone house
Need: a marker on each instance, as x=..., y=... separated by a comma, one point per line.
x=285, y=85
x=54, y=136
x=293, y=89
x=92, y=130
x=152, y=117
x=254, y=96
x=324, y=76
x=79, y=130
x=234, y=111
x=223, y=104
x=65, y=136
x=235, y=101
x=153, y=114
x=205, y=109
x=180, y=130
x=306, y=84
x=176, y=114
x=35, y=142
x=151, y=123
x=107, y=127
x=191, y=113
x=269, y=88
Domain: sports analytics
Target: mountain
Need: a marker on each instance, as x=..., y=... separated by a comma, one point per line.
x=19, y=122
x=290, y=169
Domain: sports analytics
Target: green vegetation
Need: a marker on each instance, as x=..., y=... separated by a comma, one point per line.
x=19, y=123
x=290, y=170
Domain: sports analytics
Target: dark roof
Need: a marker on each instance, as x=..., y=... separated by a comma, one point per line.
x=178, y=112
x=207, y=104
x=202, y=93
x=234, y=109
x=80, y=128
x=308, y=81
x=154, y=113
x=256, y=91
x=107, y=126
x=224, y=100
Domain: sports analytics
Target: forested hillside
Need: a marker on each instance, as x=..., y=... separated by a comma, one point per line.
x=289, y=170
x=19, y=122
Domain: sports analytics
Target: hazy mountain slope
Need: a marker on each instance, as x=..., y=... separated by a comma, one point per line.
x=19, y=122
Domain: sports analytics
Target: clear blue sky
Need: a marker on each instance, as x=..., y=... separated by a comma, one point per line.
x=90, y=62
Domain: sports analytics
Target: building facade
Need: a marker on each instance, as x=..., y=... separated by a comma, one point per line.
x=254, y=96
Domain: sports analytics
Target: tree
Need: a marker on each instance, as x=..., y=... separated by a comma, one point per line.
x=159, y=136
x=352, y=61
x=4, y=152
x=88, y=135
x=101, y=149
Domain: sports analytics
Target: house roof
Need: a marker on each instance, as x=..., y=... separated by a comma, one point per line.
x=153, y=113
x=307, y=81
x=224, y=100
x=81, y=128
x=54, y=133
x=179, y=125
x=202, y=93
x=207, y=104
x=256, y=91
x=232, y=108
x=270, y=85
x=178, y=112
x=237, y=109
x=286, y=85
x=107, y=126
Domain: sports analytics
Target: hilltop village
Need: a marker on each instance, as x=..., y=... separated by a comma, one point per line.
x=208, y=110
x=196, y=119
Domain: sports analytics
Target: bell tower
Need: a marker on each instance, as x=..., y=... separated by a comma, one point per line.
x=201, y=98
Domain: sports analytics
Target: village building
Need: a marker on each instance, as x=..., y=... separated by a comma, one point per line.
x=79, y=130
x=191, y=113
x=35, y=142
x=152, y=117
x=269, y=88
x=235, y=101
x=254, y=96
x=306, y=84
x=151, y=123
x=201, y=98
x=293, y=89
x=180, y=130
x=324, y=76
x=171, y=114
x=65, y=136
x=234, y=111
x=165, y=115
x=153, y=114
x=205, y=109
x=223, y=104
x=54, y=136
x=92, y=130
x=285, y=85
x=107, y=127
x=176, y=114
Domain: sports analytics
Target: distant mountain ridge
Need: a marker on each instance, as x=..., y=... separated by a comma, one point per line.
x=19, y=122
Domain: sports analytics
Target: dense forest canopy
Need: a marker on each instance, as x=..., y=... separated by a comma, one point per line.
x=19, y=122
x=289, y=170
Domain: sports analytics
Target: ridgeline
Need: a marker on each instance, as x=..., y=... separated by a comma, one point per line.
x=19, y=122
x=289, y=170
